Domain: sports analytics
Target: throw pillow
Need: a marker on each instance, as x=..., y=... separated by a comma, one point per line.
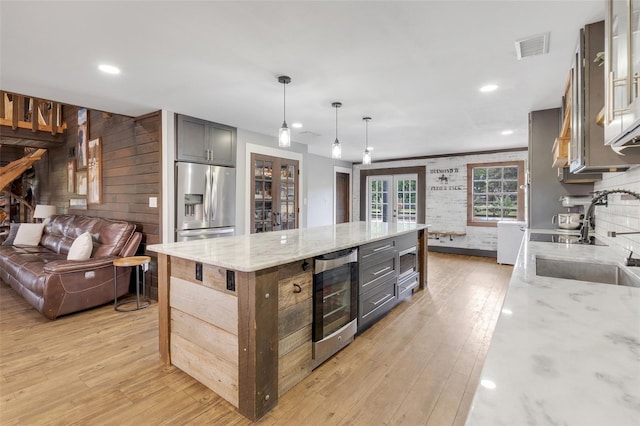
x=29, y=234
x=13, y=230
x=81, y=248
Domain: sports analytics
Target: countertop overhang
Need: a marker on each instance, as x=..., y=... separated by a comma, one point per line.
x=250, y=253
x=563, y=351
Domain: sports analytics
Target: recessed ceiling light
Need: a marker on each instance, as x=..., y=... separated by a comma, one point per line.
x=506, y=132
x=488, y=384
x=296, y=125
x=109, y=69
x=488, y=88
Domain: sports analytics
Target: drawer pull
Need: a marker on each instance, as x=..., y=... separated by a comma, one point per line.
x=297, y=288
x=385, y=297
x=382, y=248
x=375, y=274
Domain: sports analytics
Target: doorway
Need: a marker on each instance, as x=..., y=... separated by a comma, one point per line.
x=342, y=197
x=392, y=198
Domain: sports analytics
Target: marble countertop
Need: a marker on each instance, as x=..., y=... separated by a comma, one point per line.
x=564, y=352
x=249, y=253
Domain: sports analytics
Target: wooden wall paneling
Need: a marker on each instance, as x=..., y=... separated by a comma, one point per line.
x=214, y=307
x=209, y=370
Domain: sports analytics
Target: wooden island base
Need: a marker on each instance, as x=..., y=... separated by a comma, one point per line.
x=245, y=335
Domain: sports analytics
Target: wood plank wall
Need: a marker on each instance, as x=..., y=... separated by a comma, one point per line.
x=131, y=162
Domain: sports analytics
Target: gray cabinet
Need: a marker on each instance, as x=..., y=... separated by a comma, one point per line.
x=387, y=273
x=587, y=151
x=204, y=141
x=377, y=278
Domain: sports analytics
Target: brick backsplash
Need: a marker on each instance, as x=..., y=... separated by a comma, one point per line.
x=620, y=215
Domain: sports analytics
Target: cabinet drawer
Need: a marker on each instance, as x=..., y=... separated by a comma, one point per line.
x=406, y=286
x=375, y=252
x=373, y=275
x=376, y=303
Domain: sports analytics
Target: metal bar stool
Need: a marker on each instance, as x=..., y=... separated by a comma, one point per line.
x=135, y=262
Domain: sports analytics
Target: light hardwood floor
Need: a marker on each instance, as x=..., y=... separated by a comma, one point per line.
x=418, y=366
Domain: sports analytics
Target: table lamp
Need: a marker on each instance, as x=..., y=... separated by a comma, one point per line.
x=44, y=211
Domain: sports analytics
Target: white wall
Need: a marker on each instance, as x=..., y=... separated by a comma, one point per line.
x=446, y=205
x=321, y=195
x=621, y=215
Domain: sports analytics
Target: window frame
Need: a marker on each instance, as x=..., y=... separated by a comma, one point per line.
x=494, y=223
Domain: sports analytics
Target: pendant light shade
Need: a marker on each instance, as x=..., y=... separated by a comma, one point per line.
x=284, y=134
x=366, y=155
x=336, y=151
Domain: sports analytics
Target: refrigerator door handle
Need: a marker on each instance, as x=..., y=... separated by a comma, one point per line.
x=207, y=196
x=214, y=193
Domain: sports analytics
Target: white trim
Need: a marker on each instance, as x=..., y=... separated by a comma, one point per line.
x=167, y=194
x=267, y=150
x=338, y=169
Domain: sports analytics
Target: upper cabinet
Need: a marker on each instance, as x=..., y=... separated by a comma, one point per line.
x=622, y=72
x=206, y=142
x=587, y=152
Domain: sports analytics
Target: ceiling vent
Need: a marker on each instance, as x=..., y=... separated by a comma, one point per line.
x=532, y=46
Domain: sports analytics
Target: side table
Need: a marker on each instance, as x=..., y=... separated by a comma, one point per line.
x=141, y=262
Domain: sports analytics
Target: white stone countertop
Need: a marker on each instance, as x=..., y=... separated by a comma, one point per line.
x=564, y=352
x=249, y=253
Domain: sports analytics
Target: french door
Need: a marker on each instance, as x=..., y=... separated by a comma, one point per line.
x=392, y=198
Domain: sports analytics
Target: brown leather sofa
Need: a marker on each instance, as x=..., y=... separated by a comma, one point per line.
x=56, y=286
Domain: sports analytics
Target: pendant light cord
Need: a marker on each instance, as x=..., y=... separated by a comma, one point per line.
x=284, y=102
x=336, y=122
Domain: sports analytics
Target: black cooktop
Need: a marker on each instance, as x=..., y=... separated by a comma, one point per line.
x=562, y=238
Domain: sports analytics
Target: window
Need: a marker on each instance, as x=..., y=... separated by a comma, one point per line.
x=494, y=193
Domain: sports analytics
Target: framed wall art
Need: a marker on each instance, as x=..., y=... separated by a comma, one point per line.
x=94, y=171
x=83, y=135
x=71, y=175
x=81, y=182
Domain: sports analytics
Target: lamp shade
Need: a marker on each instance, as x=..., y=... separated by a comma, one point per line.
x=44, y=211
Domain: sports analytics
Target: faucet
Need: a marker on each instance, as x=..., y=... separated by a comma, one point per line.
x=589, y=218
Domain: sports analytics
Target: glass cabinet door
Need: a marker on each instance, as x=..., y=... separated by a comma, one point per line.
x=634, y=51
x=288, y=201
x=262, y=196
x=274, y=199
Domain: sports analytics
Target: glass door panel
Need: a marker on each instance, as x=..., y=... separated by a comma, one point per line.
x=402, y=189
x=336, y=299
x=275, y=195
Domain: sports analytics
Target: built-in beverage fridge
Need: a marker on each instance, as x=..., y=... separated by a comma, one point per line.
x=205, y=201
x=335, y=303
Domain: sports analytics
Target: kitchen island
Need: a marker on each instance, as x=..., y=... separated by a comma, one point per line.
x=236, y=313
x=564, y=351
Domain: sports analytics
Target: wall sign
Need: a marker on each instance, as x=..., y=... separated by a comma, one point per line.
x=446, y=179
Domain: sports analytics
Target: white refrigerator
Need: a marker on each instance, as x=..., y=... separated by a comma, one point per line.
x=510, y=234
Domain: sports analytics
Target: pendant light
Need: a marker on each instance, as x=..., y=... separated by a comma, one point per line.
x=284, y=135
x=366, y=156
x=336, y=152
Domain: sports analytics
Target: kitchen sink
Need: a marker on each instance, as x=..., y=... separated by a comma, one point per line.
x=583, y=271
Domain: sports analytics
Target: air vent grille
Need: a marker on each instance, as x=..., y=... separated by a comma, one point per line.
x=532, y=46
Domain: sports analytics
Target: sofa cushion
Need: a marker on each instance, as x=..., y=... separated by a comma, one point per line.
x=81, y=248
x=29, y=234
x=13, y=230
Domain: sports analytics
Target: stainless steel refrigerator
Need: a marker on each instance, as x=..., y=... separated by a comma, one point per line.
x=205, y=201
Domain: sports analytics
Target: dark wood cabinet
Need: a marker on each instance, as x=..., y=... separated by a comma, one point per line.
x=274, y=193
x=204, y=141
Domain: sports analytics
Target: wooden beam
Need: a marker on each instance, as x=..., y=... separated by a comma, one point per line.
x=14, y=119
x=3, y=95
x=164, y=319
x=6, y=132
x=53, y=117
x=34, y=114
x=258, y=342
x=422, y=258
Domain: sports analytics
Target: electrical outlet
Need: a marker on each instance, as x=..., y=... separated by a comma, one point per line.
x=198, y=271
x=153, y=202
x=231, y=280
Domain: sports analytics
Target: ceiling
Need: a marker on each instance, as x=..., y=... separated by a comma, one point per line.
x=415, y=67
